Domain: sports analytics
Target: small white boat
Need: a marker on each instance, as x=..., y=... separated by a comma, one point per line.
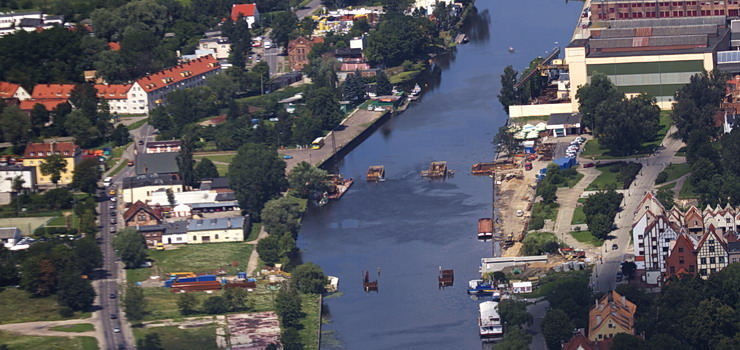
x=489, y=322
x=416, y=90
x=511, y=49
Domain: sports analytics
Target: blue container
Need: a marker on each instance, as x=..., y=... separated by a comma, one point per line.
x=168, y=284
x=203, y=278
x=251, y=279
x=241, y=275
x=188, y=279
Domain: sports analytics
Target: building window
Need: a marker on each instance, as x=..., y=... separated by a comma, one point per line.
x=703, y=272
x=680, y=250
x=712, y=260
x=711, y=249
x=691, y=268
x=216, y=236
x=680, y=260
x=721, y=259
x=195, y=238
x=703, y=260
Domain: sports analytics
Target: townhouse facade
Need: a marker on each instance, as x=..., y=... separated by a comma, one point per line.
x=711, y=254
x=611, y=315
x=36, y=153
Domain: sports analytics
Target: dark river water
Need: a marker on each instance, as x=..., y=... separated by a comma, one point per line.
x=409, y=226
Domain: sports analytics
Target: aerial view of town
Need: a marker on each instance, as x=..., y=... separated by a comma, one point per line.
x=369, y=174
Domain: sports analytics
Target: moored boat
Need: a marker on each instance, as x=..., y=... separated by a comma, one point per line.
x=338, y=185
x=376, y=173
x=489, y=322
x=485, y=228
x=480, y=287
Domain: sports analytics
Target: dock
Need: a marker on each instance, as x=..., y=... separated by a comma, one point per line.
x=491, y=167
x=437, y=169
x=446, y=278
x=461, y=39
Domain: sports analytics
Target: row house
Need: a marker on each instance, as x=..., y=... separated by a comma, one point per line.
x=611, y=315
x=10, y=90
x=36, y=153
x=48, y=95
x=121, y=98
x=652, y=237
x=711, y=253
x=682, y=257
x=151, y=91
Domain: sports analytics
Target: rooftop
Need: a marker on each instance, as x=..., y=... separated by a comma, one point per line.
x=245, y=10
x=176, y=227
x=157, y=163
x=139, y=205
x=113, y=91
x=49, y=103
x=43, y=150
x=151, y=180
x=215, y=224
x=176, y=74
x=564, y=118
x=9, y=232
x=52, y=91
x=7, y=90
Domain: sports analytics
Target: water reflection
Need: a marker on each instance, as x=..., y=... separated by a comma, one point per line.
x=477, y=27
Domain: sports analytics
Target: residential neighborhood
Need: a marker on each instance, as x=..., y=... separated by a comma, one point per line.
x=222, y=174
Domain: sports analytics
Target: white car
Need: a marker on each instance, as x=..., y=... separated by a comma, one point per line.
x=116, y=330
x=519, y=213
x=267, y=44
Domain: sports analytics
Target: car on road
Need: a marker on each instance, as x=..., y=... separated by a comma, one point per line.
x=615, y=246
x=116, y=330
x=619, y=276
x=287, y=156
x=141, y=142
x=112, y=213
x=112, y=229
x=113, y=316
x=130, y=163
x=121, y=347
x=267, y=44
x=112, y=295
x=589, y=165
x=519, y=213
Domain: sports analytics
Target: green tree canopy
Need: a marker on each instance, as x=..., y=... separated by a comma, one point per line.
x=54, y=166
x=397, y=38
x=383, y=84
x=307, y=180
x=508, y=95
x=353, y=89
x=323, y=103
x=86, y=176
x=14, y=126
x=131, y=247
x=270, y=249
x=215, y=305
x=75, y=292
x=281, y=215
x=309, y=278
x=134, y=302
x=556, y=328
x=697, y=102
x=514, y=313
x=591, y=95
x=150, y=341
x=187, y=303
x=257, y=175
x=206, y=169
x=514, y=339
x=288, y=306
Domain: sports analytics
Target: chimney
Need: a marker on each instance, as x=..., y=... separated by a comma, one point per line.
x=596, y=303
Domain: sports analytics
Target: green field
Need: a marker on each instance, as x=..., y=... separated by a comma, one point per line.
x=115, y=154
x=27, y=342
x=593, y=149
x=137, y=124
x=223, y=158
x=669, y=186
x=25, y=224
x=606, y=178
x=675, y=171
x=586, y=237
x=403, y=77
x=578, y=216
x=199, y=258
x=254, y=232
x=174, y=338
x=74, y=328
x=17, y=306
x=61, y=221
x=572, y=181
x=310, y=332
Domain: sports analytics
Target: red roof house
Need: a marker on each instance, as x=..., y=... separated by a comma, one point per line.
x=248, y=11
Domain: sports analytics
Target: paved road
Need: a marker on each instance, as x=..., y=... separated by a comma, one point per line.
x=309, y=9
x=603, y=278
x=272, y=56
x=537, y=311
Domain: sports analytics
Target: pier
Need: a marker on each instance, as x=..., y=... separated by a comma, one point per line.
x=350, y=132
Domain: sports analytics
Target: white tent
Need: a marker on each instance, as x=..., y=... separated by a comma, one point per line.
x=541, y=126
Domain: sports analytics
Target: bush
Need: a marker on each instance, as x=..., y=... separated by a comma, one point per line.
x=662, y=177
x=66, y=312
x=615, y=168
x=215, y=305
x=537, y=223
x=540, y=243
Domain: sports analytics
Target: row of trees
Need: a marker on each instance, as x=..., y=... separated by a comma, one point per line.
x=234, y=299
x=715, y=171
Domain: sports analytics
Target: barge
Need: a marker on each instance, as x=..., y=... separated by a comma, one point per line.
x=437, y=169
x=338, y=185
x=485, y=228
x=376, y=173
x=489, y=321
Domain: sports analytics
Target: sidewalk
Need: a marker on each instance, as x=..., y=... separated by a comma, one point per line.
x=568, y=200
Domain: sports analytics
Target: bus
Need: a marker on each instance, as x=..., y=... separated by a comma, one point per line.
x=316, y=144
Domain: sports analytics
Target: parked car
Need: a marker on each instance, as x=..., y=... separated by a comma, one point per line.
x=116, y=330
x=141, y=142
x=112, y=229
x=113, y=316
x=588, y=165
x=519, y=213
x=615, y=247
x=112, y=295
x=130, y=163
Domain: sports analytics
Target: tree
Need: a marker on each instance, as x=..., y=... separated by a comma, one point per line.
x=323, y=103
x=185, y=162
x=39, y=118
x=236, y=299
x=215, y=305
x=397, y=38
x=589, y=96
x=257, y=175
x=282, y=25
x=88, y=254
x=206, y=170
x=624, y=341
x=75, y=292
x=241, y=43
x=548, y=192
x=290, y=339
x=14, y=126
x=505, y=142
x=308, y=180
x=187, y=303
x=86, y=176
x=383, y=85
x=39, y=276
x=665, y=197
x=310, y=279
x=622, y=125
x=53, y=166
x=288, y=306
x=353, y=89
x=269, y=249
x=18, y=183
x=134, y=302
x=80, y=127
x=8, y=268
x=514, y=313
x=730, y=150
x=711, y=324
x=509, y=95
x=280, y=216
x=628, y=269
x=600, y=225
x=150, y=341
x=514, y=339
x=540, y=243
x=170, y=197
x=131, y=247
x=697, y=102
x=120, y=135
x=556, y=328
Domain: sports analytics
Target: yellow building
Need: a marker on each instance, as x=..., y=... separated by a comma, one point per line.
x=612, y=314
x=36, y=153
x=231, y=229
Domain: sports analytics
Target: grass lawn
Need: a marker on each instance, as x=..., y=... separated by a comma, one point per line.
x=255, y=231
x=675, y=171
x=202, y=258
x=162, y=303
x=224, y=158
x=17, y=306
x=572, y=181
x=27, y=342
x=669, y=186
x=594, y=149
x=525, y=120
x=75, y=328
x=115, y=154
x=578, y=216
x=551, y=281
x=547, y=212
x=587, y=237
x=681, y=152
x=404, y=76
x=118, y=169
x=687, y=191
x=137, y=124
x=25, y=224
x=310, y=332
x=61, y=221
x=605, y=179
x=173, y=337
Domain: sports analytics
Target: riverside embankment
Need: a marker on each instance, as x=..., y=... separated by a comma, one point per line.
x=409, y=226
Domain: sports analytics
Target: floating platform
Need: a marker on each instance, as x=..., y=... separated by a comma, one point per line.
x=485, y=228
x=437, y=169
x=338, y=185
x=446, y=278
x=491, y=168
x=368, y=285
x=376, y=173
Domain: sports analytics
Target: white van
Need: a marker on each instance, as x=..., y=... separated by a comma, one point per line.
x=107, y=181
x=267, y=44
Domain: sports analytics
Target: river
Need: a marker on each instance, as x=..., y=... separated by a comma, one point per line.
x=408, y=226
